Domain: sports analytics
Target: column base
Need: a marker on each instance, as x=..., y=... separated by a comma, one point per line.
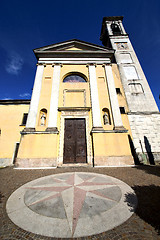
x=119, y=128
x=28, y=129
x=51, y=129
x=97, y=129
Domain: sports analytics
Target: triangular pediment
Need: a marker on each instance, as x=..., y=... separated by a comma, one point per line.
x=72, y=45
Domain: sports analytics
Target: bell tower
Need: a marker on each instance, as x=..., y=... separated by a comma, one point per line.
x=137, y=90
x=143, y=112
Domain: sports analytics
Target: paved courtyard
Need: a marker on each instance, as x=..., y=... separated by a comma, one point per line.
x=89, y=203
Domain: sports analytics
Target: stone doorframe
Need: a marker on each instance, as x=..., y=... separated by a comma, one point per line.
x=74, y=114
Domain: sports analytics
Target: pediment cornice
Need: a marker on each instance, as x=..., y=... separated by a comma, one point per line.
x=73, y=48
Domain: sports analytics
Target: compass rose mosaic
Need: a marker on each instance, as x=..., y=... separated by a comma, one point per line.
x=70, y=204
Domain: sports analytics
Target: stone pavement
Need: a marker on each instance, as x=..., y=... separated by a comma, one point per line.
x=67, y=205
x=94, y=196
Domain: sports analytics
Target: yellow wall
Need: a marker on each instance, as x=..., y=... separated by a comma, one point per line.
x=38, y=146
x=70, y=95
x=111, y=144
x=10, y=121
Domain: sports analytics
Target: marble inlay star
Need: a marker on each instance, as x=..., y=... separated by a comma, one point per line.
x=71, y=205
x=73, y=189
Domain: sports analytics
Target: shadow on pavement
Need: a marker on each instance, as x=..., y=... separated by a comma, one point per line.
x=1, y=196
x=148, y=207
x=155, y=170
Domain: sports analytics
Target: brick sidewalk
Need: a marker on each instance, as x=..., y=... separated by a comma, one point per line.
x=144, y=224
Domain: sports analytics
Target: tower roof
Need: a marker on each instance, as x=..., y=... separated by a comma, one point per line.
x=112, y=18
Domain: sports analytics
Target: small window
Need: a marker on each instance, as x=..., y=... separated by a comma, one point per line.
x=24, y=120
x=118, y=91
x=122, y=110
x=74, y=78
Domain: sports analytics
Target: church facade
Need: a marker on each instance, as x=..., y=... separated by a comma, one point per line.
x=91, y=105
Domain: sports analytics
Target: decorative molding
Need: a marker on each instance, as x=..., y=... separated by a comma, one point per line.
x=142, y=113
x=74, y=61
x=74, y=90
x=74, y=109
x=74, y=113
x=14, y=102
x=94, y=130
x=50, y=131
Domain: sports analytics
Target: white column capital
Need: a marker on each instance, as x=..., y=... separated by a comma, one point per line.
x=57, y=64
x=91, y=64
x=41, y=64
x=106, y=64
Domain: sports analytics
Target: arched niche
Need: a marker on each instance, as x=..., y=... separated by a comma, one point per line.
x=42, y=117
x=106, y=116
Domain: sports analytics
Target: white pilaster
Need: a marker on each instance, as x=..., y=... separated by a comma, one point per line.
x=31, y=120
x=52, y=122
x=109, y=28
x=94, y=97
x=123, y=30
x=113, y=97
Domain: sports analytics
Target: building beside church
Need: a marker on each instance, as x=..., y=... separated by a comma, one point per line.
x=91, y=105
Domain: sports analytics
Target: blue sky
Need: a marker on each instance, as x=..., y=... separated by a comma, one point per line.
x=25, y=25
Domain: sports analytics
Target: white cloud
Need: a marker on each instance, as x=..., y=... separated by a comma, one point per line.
x=7, y=98
x=25, y=95
x=14, y=63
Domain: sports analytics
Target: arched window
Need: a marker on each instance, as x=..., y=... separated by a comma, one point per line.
x=106, y=116
x=115, y=29
x=75, y=78
x=42, y=117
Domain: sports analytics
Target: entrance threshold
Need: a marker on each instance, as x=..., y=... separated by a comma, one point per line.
x=74, y=165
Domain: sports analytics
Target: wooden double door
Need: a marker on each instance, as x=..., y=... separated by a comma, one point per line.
x=75, y=148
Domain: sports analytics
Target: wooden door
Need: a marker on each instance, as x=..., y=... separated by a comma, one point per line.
x=75, y=149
